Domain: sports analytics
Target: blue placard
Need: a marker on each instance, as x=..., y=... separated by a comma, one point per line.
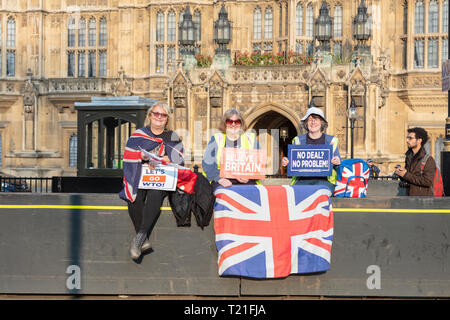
x=310, y=160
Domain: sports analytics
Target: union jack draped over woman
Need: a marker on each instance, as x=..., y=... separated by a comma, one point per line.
x=167, y=143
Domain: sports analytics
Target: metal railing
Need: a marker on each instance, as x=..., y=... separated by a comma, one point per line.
x=25, y=184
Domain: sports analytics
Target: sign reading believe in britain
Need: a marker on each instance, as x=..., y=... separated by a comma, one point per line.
x=310, y=160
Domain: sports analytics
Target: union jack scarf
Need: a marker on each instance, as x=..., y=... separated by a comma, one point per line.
x=132, y=163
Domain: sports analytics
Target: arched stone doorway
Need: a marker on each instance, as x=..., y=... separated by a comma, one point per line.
x=275, y=132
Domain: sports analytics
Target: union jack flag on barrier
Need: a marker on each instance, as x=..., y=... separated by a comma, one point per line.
x=271, y=231
x=352, y=179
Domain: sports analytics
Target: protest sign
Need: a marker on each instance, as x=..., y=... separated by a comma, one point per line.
x=310, y=160
x=161, y=178
x=243, y=163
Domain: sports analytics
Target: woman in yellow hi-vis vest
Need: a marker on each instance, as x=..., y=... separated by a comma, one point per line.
x=233, y=135
x=315, y=124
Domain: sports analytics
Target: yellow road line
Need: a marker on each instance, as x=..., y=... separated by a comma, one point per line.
x=49, y=206
x=391, y=210
x=86, y=207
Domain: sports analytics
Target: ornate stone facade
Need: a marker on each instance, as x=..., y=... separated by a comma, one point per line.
x=130, y=47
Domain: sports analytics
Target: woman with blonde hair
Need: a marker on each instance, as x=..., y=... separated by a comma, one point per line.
x=233, y=135
x=144, y=204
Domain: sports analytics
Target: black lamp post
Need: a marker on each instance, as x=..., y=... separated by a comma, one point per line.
x=352, y=115
x=222, y=32
x=322, y=27
x=361, y=25
x=186, y=33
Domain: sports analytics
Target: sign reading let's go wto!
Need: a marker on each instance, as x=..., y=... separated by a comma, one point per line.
x=310, y=160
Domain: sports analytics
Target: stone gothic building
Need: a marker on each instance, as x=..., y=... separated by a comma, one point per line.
x=54, y=53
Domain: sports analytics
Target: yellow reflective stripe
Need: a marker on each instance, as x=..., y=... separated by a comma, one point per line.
x=220, y=146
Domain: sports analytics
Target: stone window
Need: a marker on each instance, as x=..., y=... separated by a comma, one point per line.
x=433, y=17
x=433, y=53
x=171, y=26
x=92, y=63
x=257, y=24
x=73, y=150
x=81, y=64
x=81, y=33
x=337, y=22
x=268, y=23
x=71, y=29
x=160, y=27
x=70, y=63
x=92, y=32
x=10, y=47
x=419, y=53
x=102, y=64
x=444, y=44
x=299, y=20
x=166, y=48
x=429, y=34
x=103, y=33
x=197, y=20
x=419, y=17
x=444, y=16
x=87, y=46
x=160, y=59
x=309, y=20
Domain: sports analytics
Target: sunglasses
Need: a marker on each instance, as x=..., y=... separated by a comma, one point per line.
x=230, y=122
x=159, y=115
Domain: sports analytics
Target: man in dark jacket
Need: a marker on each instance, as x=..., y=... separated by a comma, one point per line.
x=418, y=181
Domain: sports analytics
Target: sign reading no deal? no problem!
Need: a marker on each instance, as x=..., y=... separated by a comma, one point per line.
x=310, y=160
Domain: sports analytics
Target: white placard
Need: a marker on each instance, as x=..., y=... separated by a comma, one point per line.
x=161, y=178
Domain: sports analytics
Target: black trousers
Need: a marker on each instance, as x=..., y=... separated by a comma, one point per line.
x=145, y=210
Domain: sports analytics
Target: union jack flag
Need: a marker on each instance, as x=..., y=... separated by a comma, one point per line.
x=352, y=179
x=271, y=231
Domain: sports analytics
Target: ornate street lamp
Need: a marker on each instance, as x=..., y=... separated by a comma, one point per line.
x=322, y=27
x=222, y=32
x=186, y=33
x=352, y=115
x=361, y=25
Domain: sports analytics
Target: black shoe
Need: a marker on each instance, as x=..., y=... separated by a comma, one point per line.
x=136, y=245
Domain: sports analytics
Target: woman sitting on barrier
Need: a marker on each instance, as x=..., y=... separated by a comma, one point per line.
x=233, y=135
x=315, y=124
x=144, y=204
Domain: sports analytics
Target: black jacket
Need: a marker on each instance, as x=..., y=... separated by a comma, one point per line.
x=200, y=203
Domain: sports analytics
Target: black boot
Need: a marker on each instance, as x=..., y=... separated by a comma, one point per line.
x=136, y=245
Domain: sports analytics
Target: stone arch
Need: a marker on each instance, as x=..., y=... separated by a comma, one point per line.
x=252, y=115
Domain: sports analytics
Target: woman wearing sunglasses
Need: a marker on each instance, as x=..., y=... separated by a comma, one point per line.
x=233, y=135
x=144, y=204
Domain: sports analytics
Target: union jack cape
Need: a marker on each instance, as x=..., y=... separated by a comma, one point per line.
x=132, y=164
